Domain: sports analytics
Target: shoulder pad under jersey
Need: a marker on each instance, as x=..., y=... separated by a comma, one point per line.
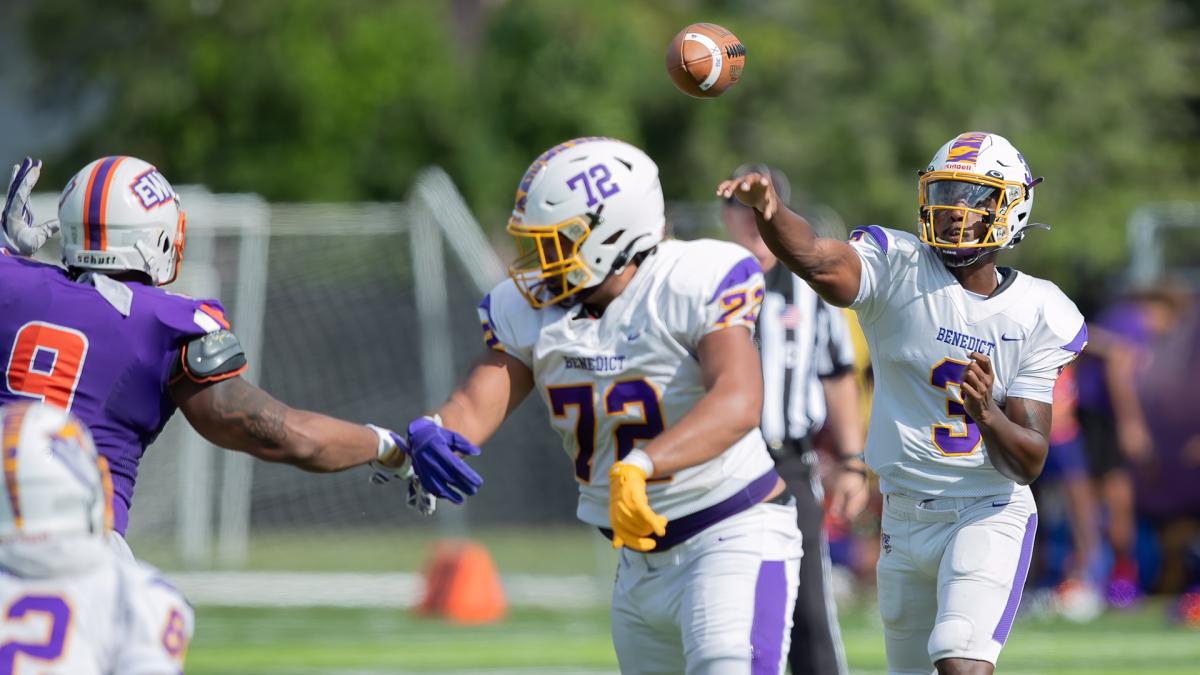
x=211, y=357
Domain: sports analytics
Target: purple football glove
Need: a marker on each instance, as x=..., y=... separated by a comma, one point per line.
x=435, y=456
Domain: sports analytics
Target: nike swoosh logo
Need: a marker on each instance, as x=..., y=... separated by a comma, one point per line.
x=1008, y=339
x=633, y=336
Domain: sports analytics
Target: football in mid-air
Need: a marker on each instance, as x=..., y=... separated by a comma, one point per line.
x=705, y=60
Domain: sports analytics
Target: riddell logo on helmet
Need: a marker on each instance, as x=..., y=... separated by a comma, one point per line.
x=152, y=189
x=960, y=167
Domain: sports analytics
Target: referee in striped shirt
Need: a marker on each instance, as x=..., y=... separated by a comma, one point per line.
x=808, y=382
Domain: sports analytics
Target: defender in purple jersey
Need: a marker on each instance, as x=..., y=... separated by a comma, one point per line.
x=101, y=340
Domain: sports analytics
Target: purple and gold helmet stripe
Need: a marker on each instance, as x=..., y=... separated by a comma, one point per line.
x=540, y=163
x=965, y=149
x=95, y=204
x=10, y=438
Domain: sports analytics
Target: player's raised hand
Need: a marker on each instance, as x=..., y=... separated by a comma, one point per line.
x=629, y=513
x=436, y=454
x=754, y=190
x=977, y=389
x=17, y=217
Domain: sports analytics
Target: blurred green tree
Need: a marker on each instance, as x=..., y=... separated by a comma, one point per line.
x=314, y=100
x=296, y=100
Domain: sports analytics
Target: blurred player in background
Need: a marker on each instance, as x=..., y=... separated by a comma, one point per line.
x=642, y=350
x=101, y=340
x=808, y=382
x=72, y=604
x=965, y=356
x=1077, y=595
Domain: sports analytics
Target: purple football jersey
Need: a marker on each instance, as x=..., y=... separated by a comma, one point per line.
x=63, y=343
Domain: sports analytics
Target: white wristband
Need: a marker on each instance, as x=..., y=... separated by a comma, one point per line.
x=638, y=457
x=386, y=449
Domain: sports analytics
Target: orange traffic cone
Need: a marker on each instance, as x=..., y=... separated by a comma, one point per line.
x=461, y=584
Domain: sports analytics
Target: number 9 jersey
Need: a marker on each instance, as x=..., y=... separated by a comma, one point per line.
x=921, y=326
x=614, y=382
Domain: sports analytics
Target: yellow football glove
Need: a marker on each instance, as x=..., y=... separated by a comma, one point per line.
x=629, y=513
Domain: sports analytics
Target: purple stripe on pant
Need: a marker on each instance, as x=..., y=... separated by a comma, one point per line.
x=1018, y=586
x=770, y=618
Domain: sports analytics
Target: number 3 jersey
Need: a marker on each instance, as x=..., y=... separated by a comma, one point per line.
x=110, y=617
x=64, y=343
x=921, y=326
x=615, y=382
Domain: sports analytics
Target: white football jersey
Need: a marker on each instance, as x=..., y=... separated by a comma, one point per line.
x=615, y=382
x=116, y=618
x=921, y=325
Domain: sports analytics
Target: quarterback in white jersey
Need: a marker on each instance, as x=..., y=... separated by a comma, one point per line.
x=642, y=351
x=965, y=356
x=71, y=604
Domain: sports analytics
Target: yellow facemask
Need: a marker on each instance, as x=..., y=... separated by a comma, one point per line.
x=549, y=268
x=992, y=199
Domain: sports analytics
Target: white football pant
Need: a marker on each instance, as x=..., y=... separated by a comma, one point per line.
x=950, y=576
x=719, y=603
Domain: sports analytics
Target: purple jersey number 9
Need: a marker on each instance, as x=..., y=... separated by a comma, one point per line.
x=26, y=607
x=602, y=182
x=953, y=440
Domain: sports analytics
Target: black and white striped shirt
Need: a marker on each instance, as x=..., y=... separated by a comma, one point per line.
x=801, y=340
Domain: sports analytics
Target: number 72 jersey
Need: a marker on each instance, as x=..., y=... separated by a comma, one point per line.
x=921, y=326
x=615, y=382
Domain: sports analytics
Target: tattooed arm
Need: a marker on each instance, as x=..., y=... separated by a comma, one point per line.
x=237, y=415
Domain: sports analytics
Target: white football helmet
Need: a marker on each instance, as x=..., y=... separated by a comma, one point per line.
x=54, y=482
x=120, y=214
x=982, y=173
x=583, y=210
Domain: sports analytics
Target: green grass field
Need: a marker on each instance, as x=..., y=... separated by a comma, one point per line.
x=343, y=641
x=312, y=641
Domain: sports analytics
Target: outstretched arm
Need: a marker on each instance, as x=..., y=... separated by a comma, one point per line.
x=237, y=415
x=1017, y=436
x=495, y=386
x=830, y=266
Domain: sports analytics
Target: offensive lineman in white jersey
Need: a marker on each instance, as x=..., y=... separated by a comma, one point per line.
x=965, y=356
x=71, y=604
x=642, y=351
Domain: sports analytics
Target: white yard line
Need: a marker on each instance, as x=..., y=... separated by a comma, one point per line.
x=318, y=589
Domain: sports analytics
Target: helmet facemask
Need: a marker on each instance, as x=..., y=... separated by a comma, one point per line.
x=550, y=268
x=965, y=215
